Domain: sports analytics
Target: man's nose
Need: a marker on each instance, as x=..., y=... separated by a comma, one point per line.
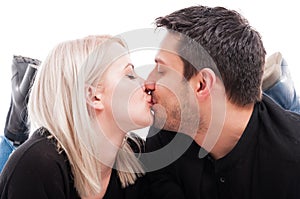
x=150, y=82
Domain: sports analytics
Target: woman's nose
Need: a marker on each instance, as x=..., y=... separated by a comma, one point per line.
x=149, y=86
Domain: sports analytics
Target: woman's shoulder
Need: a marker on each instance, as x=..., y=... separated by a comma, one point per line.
x=41, y=146
x=36, y=154
x=36, y=168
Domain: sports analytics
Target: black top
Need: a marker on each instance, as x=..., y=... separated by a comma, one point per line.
x=265, y=163
x=37, y=170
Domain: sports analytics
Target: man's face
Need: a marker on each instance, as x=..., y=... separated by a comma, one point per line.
x=171, y=94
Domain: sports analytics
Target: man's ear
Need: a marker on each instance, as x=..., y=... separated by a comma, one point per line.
x=205, y=81
x=94, y=97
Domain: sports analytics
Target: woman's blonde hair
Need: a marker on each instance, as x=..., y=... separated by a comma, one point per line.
x=58, y=102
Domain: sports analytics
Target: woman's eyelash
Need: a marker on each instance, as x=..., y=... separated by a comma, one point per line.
x=130, y=76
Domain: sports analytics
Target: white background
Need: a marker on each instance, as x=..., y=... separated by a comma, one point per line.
x=31, y=28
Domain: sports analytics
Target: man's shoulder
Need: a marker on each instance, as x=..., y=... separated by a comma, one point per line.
x=273, y=108
x=278, y=120
x=174, y=146
x=281, y=134
x=158, y=138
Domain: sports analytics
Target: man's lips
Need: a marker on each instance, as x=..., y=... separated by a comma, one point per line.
x=153, y=100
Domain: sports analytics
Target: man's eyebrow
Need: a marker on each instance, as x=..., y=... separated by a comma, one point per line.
x=159, y=60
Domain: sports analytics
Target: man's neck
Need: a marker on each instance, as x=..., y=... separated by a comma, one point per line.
x=220, y=141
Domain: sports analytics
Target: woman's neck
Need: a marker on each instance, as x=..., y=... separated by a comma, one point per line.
x=112, y=140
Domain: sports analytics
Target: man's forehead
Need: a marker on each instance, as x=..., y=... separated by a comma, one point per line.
x=166, y=57
x=168, y=48
x=170, y=43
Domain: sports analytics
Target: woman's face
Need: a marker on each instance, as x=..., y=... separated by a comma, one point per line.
x=123, y=96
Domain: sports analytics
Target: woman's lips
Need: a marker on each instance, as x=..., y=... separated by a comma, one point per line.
x=149, y=99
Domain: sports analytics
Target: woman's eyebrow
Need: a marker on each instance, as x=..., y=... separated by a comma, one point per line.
x=128, y=65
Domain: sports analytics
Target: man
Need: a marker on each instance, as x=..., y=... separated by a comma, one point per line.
x=241, y=144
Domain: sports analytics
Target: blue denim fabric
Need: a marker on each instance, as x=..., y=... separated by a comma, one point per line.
x=6, y=148
x=283, y=92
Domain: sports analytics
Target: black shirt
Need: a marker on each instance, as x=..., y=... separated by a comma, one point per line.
x=265, y=163
x=37, y=170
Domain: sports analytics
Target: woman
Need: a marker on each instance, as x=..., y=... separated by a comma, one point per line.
x=85, y=97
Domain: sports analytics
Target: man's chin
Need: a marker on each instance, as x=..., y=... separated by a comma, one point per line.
x=160, y=116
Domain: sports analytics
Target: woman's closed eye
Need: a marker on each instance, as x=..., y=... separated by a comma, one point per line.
x=130, y=73
x=131, y=76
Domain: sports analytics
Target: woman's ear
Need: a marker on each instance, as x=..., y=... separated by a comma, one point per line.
x=205, y=79
x=94, y=97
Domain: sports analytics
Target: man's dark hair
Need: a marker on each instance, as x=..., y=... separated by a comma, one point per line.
x=235, y=47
